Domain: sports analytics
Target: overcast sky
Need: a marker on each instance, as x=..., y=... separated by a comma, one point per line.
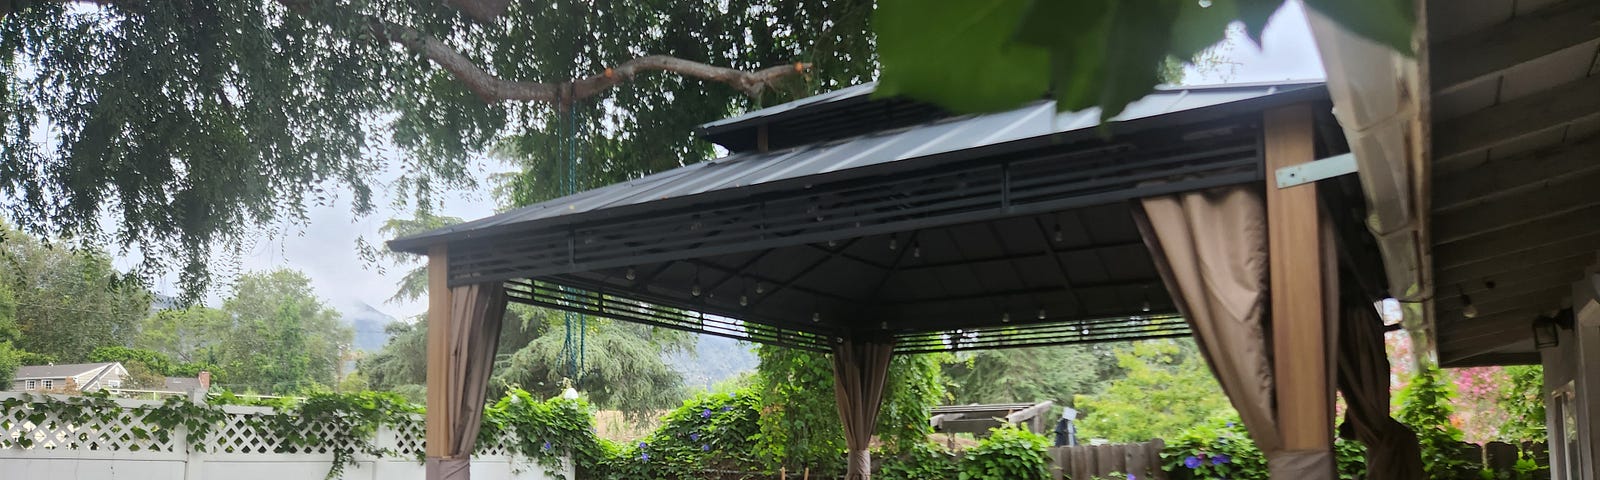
x=325, y=249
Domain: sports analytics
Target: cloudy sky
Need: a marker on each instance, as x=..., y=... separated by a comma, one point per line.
x=325, y=248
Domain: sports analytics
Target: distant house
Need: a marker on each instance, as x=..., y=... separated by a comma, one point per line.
x=82, y=377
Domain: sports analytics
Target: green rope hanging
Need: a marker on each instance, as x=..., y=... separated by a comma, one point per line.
x=575, y=345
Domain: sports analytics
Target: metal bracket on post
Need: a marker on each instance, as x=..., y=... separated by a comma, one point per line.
x=1316, y=170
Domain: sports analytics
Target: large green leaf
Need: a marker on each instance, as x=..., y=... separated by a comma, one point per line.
x=1105, y=53
x=958, y=53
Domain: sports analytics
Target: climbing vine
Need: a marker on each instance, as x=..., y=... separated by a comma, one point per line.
x=346, y=424
x=150, y=422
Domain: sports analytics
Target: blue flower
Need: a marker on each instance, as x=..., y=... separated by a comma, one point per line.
x=705, y=447
x=1230, y=424
x=694, y=437
x=1131, y=477
x=644, y=456
x=727, y=408
x=547, y=446
x=643, y=445
x=706, y=414
x=1220, y=459
x=1192, y=462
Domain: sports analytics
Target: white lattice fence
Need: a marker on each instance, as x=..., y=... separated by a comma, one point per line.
x=247, y=443
x=87, y=432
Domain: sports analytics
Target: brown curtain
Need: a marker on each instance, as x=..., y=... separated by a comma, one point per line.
x=475, y=312
x=1392, y=450
x=1211, y=250
x=860, y=370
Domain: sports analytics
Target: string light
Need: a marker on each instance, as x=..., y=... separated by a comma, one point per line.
x=631, y=275
x=1005, y=318
x=1041, y=314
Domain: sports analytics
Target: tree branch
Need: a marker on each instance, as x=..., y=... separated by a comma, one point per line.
x=494, y=89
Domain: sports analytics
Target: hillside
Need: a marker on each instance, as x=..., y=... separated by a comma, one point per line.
x=714, y=360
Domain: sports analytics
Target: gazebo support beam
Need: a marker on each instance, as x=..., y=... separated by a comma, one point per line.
x=438, y=420
x=1298, y=275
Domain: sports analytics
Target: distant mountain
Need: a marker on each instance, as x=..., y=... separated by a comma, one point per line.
x=715, y=359
x=368, y=323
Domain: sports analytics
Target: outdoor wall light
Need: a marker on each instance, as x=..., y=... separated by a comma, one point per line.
x=1547, y=330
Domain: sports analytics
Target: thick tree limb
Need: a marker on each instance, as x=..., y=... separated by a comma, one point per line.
x=493, y=89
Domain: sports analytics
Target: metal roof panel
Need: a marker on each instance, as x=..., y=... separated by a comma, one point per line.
x=746, y=169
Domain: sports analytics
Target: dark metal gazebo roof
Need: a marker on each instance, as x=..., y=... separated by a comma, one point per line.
x=980, y=231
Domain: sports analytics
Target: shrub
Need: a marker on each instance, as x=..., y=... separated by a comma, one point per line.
x=710, y=431
x=1010, y=453
x=1223, y=449
x=1425, y=407
x=921, y=461
x=1218, y=449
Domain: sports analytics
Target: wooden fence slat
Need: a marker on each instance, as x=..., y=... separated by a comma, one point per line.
x=1057, y=462
x=1082, y=463
x=1135, y=458
x=1157, y=468
x=1108, y=459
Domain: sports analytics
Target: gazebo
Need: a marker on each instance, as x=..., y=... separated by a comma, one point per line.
x=866, y=227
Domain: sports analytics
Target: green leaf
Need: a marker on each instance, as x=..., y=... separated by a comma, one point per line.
x=958, y=53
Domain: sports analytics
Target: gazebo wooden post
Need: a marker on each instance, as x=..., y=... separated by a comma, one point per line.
x=1300, y=334
x=441, y=398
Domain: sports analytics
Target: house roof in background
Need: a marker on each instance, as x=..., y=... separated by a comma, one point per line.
x=58, y=371
x=180, y=384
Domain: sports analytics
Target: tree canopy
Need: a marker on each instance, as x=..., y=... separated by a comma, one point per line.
x=68, y=301
x=190, y=123
x=1056, y=373
x=281, y=336
x=1165, y=388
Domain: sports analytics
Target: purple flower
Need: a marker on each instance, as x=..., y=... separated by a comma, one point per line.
x=643, y=445
x=706, y=414
x=705, y=447
x=1230, y=424
x=1220, y=459
x=694, y=437
x=644, y=456
x=547, y=446
x=727, y=408
x=1131, y=477
x=1192, y=462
